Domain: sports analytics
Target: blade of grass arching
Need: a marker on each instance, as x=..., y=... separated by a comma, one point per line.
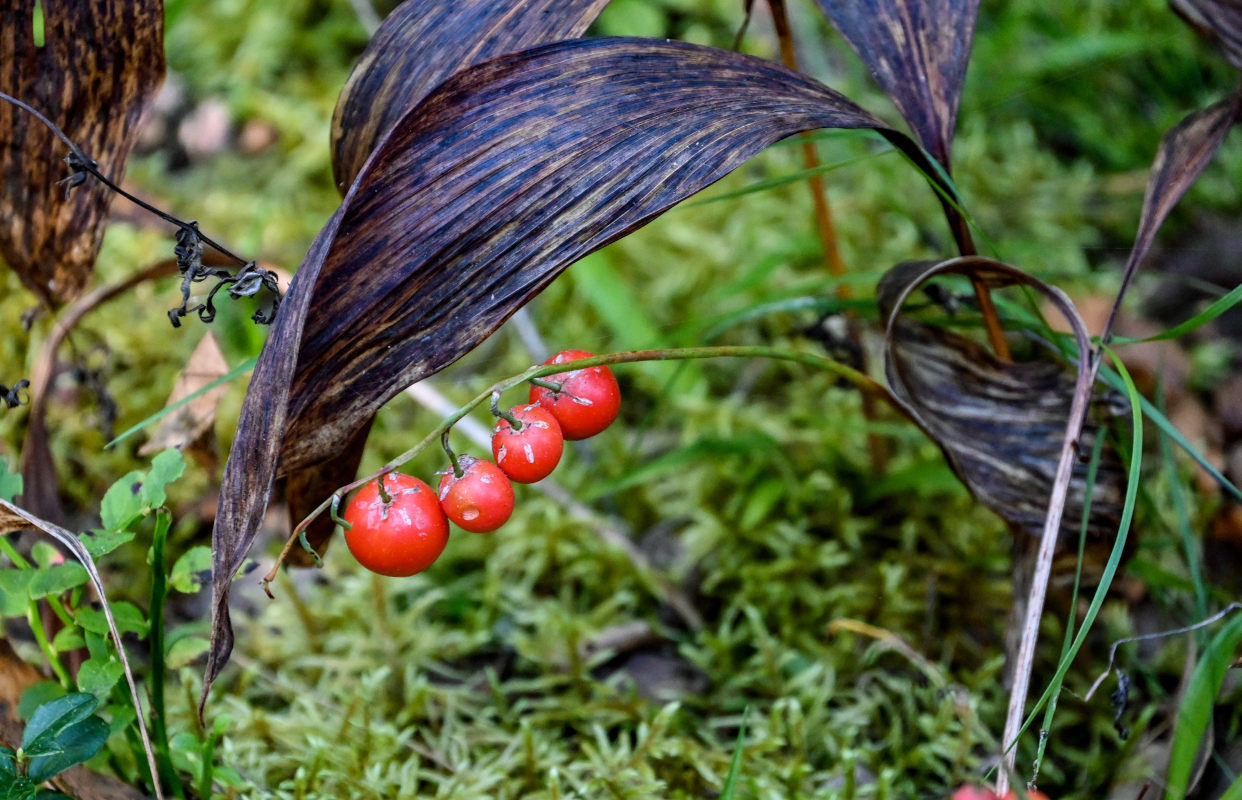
x=735, y=765
x=1189, y=545
x=1114, y=559
x=1220, y=306
x=1055, y=686
x=1167, y=428
x=1195, y=713
x=240, y=369
x=793, y=177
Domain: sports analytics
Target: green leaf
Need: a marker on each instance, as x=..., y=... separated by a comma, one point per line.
x=165, y=468
x=123, y=502
x=735, y=764
x=185, y=573
x=1195, y=713
x=100, y=542
x=77, y=743
x=57, y=578
x=45, y=555
x=51, y=719
x=36, y=695
x=129, y=619
x=15, y=591
x=10, y=482
x=182, y=652
x=68, y=639
x=99, y=675
x=19, y=789
x=8, y=761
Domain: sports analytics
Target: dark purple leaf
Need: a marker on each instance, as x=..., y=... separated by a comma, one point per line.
x=1219, y=21
x=420, y=45
x=1183, y=154
x=477, y=200
x=95, y=75
x=917, y=50
x=1000, y=424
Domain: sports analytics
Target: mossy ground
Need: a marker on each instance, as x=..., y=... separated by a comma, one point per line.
x=748, y=484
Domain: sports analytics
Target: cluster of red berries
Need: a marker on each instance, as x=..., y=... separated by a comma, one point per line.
x=398, y=526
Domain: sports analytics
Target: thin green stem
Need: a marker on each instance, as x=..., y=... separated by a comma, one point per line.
x=159, y=669
x=53, y=660
x=513, y=421
x=444, y=442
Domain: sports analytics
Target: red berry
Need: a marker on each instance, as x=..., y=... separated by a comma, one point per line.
x=588, y=401
x=479, y=501
x=969, y=792
x=398, y=537
x=530, y=453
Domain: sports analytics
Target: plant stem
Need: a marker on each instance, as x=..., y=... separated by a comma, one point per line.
x=863, y=382
x=159, y=593
x=826, y=228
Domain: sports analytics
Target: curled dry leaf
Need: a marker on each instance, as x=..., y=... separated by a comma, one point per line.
x=1000, y=424
x=189, y=428
x=420, y=45
x=95, y=75
x=477, y=199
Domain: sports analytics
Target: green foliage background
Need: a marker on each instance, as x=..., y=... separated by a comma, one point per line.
x=750, y=482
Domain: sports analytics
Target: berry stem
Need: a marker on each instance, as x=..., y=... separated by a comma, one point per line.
x=864, y=383
x=384, y=496
x=444, y=442
x=550, y=385
x=513, y=421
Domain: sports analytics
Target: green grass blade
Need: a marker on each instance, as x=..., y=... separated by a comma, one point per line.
x=793, y=177
x=1205, y=316
x=1195, y=713
x=735, y=765
x=240, y=369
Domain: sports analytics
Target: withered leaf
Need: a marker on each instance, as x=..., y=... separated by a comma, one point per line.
x=1000, y=424
x=95, y=75
x=479, y=197
x=918, y=51
x=421, y=44
x=1184, y=152
x=184, y=428
x=1219, y=21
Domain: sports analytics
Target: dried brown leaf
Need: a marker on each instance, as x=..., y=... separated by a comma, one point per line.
x=94, y=76
x=420, y=45
x=1218, y=21
x=1000, y=424
x=918, y=51
x=184, y=428
x=1184, y=152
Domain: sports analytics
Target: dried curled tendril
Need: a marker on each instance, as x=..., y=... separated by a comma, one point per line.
x=247, y=282
x=17, y=396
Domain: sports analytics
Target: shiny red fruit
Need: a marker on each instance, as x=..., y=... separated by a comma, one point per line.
x=531, y=452
x=588, y=401
x=481, y=499
x=399, y=536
